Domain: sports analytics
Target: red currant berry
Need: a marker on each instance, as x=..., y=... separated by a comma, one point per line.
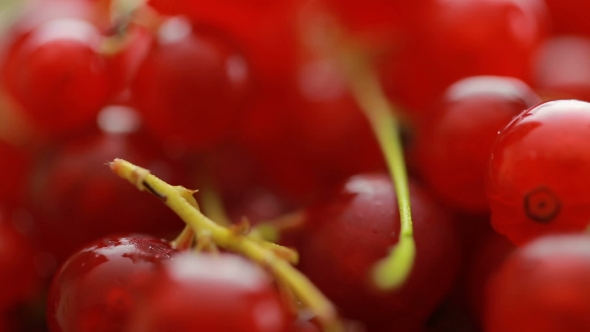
x=19, y=279
x=457, y=140
x=15, y=167
x=345, y=238
x=191, y=86
x=485, y=261
x=542, y=287
x=539, y=170
x=377, y=21
x=56, y=73
x=269, y=40
x=76, y=199
x=205, y=292
x=567, y=16
x=452, y=40
x=311, y=135
x=126, y=60
x=98, y=285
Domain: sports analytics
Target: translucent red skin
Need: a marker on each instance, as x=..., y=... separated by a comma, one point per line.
x=15, y=166
x=303, y=172
x=126, y=61
x=97, y=286
x=203, y=292
x=567, y=17
x=184, y=91
x=544, y=147
x=19, y=279
x=455, y=143
x=79, y=199
x=267, y=31
x=308, y=132
x=451, y=40
x=60, y=81
x=346, y=236
x=375, y=22
x=326, y=123
x=542, y=287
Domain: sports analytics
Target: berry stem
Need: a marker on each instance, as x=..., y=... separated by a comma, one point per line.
x=212, y=204
x=271, y=230
x=179, y=200
x=392, y=271
x=185, y=239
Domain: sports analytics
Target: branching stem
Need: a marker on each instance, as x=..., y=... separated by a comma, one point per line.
x=179, y=199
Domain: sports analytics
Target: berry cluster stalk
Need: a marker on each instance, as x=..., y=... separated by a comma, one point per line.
x=269, y=255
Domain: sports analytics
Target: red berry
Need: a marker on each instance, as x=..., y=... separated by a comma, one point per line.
x=452, y=40
x=567, y=16
x=76, y=198
x=205, y=292
x=377, y=21
x=542, y=287
x=19, y=279
x=97, y=286
x=346, y=236
x=327, y=123
x=457, y=140
x=539, y=171
x=311, y=135
x=126, y=61
x=15, y=166
x=486, y=260
x=192, y=85
x=269, y=40
x=56, y=73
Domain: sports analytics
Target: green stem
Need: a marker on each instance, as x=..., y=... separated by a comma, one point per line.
x=212, y=204
x=181, y=201
x=392, y=271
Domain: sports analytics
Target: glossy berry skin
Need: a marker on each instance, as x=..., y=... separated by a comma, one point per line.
x=98, y=285
x=345, y=236
x=567, y=17
x=126, y=61
x=191, y=86
x=457, y=140
x=204, y=292
x=78, y=200
x=452, y=40
x=58, y=76
x=311, y=135
x=542, y=287
x=270, y=40
x=539, y=170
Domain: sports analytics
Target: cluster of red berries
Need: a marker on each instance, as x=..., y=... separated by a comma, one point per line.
x=265, y=107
